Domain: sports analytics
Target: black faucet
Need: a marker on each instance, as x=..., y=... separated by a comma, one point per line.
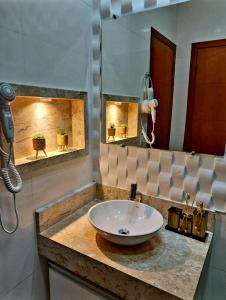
x=133, y=191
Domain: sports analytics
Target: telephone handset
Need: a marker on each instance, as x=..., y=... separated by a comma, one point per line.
x=7, y=95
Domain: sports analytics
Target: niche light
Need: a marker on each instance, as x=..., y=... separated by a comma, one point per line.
x=40, y=110
x=113, y=113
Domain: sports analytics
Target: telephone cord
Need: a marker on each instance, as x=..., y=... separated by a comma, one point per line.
x=10, y=187
x=17, y=219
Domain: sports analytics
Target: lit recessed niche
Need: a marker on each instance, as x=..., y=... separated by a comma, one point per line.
x=59, y=122
x=121, y=120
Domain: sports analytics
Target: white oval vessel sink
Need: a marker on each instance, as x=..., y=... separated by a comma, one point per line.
x=125, y=222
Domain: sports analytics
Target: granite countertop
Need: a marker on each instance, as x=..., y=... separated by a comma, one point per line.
x=166, y=267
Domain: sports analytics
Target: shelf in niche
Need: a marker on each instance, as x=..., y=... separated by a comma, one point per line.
x=38, y=110
x=32, y=158
x=117, y=139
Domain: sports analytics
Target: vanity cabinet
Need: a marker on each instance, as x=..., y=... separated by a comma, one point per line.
x=64, y=285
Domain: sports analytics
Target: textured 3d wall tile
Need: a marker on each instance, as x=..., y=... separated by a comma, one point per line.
x=165, y=183
x=204, y=198
x=219, y=195
x=205, y=179
x=153, y=169
x=166, y=174
x=152, y=189
x=96, y=83
x=166, y=159
x=220, y=169
x=192, y=163
x=178, y=174
x=142, y=179
x=122, y=166
x=105, y=8
x=190, y=185
x=176, y=194
x=149, y=3
x=126, y=6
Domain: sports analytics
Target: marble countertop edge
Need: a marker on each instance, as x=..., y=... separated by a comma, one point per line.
x=124, y=278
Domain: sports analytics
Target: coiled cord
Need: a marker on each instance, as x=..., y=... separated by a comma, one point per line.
x=10, y=187
x=5, y=176
x=17, y=218
x=7, y=181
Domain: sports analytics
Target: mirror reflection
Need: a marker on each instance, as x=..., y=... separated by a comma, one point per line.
x=181, y=51
x=120, y=118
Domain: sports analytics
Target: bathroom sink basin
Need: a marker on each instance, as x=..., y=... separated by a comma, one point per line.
x=125, y=222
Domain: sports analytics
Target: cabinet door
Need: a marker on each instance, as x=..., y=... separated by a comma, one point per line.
x=71, y=288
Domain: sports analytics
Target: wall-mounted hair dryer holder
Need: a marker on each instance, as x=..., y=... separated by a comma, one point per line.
x=7, y=95
x=148, y=105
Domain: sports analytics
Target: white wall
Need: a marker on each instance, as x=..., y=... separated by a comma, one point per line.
x=45, y=42
x=126, y=48
x=42, y=43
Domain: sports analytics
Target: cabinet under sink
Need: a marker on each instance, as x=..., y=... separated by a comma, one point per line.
x=67, y=286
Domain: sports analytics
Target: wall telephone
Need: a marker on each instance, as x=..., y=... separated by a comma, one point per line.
x=7, y=95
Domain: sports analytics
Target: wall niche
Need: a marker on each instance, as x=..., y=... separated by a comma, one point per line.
x=120, y=118
x=58, y=115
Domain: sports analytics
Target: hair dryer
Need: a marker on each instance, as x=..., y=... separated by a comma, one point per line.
x=7, y=95
x=148, y=105
x=152, y=104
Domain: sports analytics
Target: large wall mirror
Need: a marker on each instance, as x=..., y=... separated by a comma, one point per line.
x=183, y=48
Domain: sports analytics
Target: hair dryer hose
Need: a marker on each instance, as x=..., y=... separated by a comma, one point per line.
x=7, y=181
x=17, y=218
x=11, y=188
x=6, y=178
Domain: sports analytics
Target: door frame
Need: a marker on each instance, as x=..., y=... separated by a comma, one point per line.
x=156, y=34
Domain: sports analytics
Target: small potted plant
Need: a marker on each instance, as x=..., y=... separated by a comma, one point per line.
x=111, y=131
x=39, y=143
x=62, y=139
x=122, y=130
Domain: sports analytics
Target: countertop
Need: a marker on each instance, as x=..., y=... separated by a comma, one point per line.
x=166, y=267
